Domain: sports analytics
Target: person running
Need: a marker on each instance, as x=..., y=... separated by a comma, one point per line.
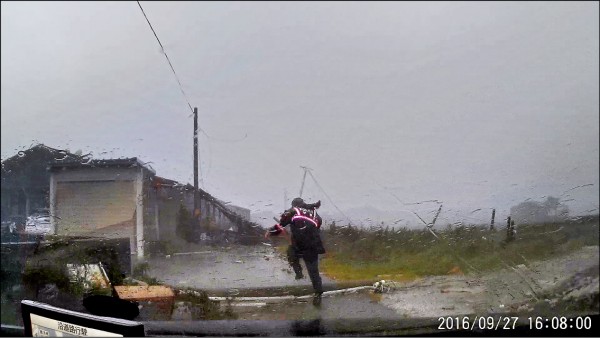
x=305, y=226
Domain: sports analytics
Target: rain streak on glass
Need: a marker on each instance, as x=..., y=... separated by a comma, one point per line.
x=365, y=168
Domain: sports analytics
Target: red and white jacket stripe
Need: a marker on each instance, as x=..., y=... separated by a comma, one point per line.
x=296, y=215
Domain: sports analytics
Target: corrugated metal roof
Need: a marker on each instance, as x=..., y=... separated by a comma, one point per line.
x=119, y=163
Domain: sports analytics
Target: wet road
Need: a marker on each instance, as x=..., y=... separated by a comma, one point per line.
x=239, y=268
x=507, y=290
x=260, y=267
x=217, y=269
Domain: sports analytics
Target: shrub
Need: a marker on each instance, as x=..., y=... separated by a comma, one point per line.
x=184, y=226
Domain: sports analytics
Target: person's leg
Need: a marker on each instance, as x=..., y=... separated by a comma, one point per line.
x=312, y=265
x=294, y=261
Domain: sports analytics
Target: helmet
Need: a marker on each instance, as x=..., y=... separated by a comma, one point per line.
x=297, y=202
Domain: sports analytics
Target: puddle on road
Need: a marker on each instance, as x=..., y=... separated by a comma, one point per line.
x=351, y=306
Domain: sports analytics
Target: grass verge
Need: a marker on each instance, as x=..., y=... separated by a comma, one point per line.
x=368, y=255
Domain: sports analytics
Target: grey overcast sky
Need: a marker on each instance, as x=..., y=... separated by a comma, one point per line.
x=475, y=104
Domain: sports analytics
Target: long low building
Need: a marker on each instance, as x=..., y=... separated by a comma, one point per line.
x=112, y=198
x=124, y=198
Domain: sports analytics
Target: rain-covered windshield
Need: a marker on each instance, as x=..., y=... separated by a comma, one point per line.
x=354, y=166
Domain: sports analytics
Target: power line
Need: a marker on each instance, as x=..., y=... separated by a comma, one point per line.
x=174, y=73
x=166, y=56
x=324, y=193
x=182, y=91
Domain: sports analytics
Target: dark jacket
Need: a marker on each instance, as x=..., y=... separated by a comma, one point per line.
x=305, y=226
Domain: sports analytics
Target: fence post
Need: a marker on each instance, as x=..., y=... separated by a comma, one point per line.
x=512, y=229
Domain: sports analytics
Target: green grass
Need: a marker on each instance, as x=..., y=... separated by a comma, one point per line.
x=375, y=254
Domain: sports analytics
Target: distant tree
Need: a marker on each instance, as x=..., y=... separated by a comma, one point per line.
x=551, y=210
x=529, y=212
x=556, y=210
x=552, y=203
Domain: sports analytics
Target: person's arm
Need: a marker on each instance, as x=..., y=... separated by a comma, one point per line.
x=312, y=206
x=275, y=230
x=284, y=220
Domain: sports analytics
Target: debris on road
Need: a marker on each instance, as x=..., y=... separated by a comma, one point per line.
x=385, y=286
x=156, y=300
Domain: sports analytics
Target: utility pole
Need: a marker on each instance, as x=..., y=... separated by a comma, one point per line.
x=306, y=169
x=493, y=217
x=285, y=199
x=196, y=202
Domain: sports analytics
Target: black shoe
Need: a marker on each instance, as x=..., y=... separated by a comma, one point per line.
x=317, y=299
x=300, y=276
